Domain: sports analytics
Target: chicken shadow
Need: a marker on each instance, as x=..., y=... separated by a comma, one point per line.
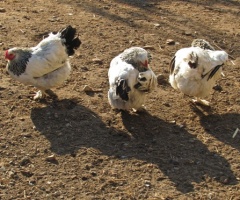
x=223, y=127
x=178, y=154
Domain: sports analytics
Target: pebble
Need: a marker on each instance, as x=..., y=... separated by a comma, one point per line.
x=224, y=179
x=51, y=158
x=26, y=173
x=32, y=182
x=149, y=47
x=166, y=104
x=27, y=135
x=217, y=88
x=87, y=88
x=157, y=25
x=170, y=42
x=11, y=174
x=84, y=68
x=2, y=10
x=25, y=161
x=188, y=33
x=97, y=60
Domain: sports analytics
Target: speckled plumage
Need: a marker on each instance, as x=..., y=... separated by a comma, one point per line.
x=196, y=81
x=45, y=65
x=130, y=57
x=129, y=80
x=202, y=44
x=18, y=66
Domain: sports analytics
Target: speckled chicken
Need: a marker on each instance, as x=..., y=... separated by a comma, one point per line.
x=194, y=70
x=46, y=65
x=130, y=79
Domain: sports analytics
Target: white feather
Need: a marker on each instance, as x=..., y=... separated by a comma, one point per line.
x=194, y=81
x=48, y=66
x=119, y=69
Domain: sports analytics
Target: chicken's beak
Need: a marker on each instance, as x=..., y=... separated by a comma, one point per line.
x=145, y=64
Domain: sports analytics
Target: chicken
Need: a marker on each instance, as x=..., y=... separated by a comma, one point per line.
x=46, y=65
x=130, y=78
x=194, y=71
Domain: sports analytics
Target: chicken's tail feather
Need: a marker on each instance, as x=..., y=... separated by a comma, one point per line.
x=71, y=42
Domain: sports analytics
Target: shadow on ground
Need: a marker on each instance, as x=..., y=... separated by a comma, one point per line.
x=178, y=154
x=216, y=125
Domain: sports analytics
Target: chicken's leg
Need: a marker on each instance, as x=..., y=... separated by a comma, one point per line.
x=42, y=93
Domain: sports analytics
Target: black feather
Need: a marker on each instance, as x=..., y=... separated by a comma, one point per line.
x=172, y=65
x=71, y=42
x=215, y=69
x=136, y=86
x=122, y=89
x=212, y=72
x=18, y=66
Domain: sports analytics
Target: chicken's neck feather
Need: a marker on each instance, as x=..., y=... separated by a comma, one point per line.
x=19, y=64
x=129, y=58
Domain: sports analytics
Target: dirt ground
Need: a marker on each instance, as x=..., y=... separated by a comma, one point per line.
x=79, y=148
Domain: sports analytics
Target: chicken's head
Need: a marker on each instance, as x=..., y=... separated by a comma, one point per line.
x=9, y=54
x=137, y=56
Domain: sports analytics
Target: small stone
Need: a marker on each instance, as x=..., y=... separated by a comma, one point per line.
x=84, y=178
x=87, y=88
x=2, y=10
x=2, y=186
x=51, y=158
x=32, y=182
x=217, y=88
x=149, y=47
x=2, y=168
x=188, y=33
x=157, y=25
x=224, y=179
x=25, y=161
x=68, y=125
x=147, y=183
x=27, y=173
x=84, y=68
x=97, y=60
x=11, y=174
x=181, y=125
x=52, y=20
x=170, y=42
x=22, y=119
x=93, y=173
x=26, y=135
x=166, y=104
x=106, y=7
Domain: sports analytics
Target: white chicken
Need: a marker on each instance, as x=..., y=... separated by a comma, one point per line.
x=45, y=65
x=194, y=71
x=130, y=78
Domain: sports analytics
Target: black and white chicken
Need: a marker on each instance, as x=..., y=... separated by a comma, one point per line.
x=46, y=65
x=130, y=78
x=195, y=70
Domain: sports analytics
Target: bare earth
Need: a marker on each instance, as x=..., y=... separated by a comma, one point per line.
x=79, y=148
